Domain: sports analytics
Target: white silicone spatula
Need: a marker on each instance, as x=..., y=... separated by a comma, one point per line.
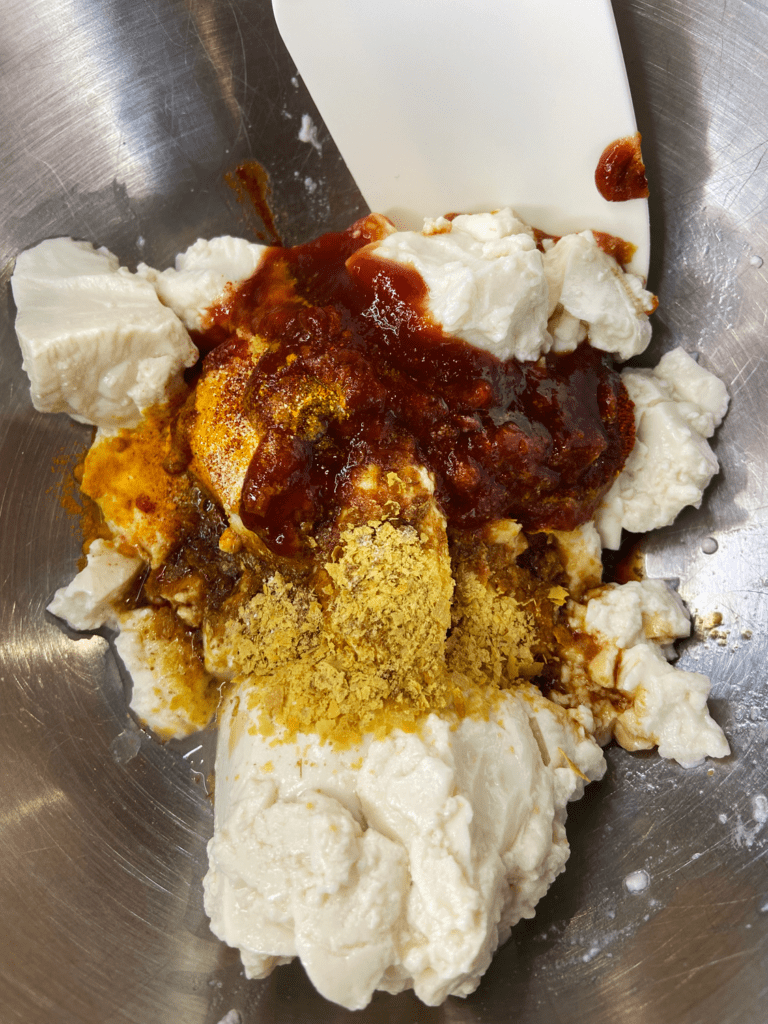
x=444, y=106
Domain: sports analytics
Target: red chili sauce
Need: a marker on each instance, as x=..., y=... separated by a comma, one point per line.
x=620, y=172
x=357, y=373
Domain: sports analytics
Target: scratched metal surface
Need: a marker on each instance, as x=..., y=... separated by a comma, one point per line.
x=119, y=118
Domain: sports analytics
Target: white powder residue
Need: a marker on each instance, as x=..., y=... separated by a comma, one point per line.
x=590, y=946
x=760, y=809
x=745, y=835
x=233, y=1017
x=637, y=881
x=308, y=133
x=310, y=185
x=722, y=818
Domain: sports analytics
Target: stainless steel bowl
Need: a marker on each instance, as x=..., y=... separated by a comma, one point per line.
x=119, y=119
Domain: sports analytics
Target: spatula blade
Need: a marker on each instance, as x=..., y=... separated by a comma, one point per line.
x=444, y=106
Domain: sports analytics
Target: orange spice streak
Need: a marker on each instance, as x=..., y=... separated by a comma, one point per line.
x=126, y=476
x=85, y=516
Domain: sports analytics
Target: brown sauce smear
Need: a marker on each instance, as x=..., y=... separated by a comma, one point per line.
x=627, y=563
x=250, y=183
x=356, y=373
x=620, y=173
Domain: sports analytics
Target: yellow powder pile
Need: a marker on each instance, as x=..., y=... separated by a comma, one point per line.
x=383, y=635
x=273, y=628
x=363, y=651
x=493, y=633
x=503, y=615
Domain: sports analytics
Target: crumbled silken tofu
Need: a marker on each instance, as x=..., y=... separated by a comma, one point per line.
x=677, y=406
x=97, y=342
x=636, y=625
x=401, y=863
x=484, y=278
x=581, y=553
x=488, y=283
x=172, y=692
x=87, y=602
x=592, y=289
x=202, y=275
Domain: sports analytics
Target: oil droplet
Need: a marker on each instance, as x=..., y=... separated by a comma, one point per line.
x=126, y=746
x=637, y=881
x=709, y=546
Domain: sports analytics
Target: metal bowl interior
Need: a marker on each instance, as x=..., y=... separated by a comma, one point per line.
x=120, y=119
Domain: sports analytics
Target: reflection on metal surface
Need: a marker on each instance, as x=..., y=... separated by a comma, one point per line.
x=119, y=120
x=14, y=813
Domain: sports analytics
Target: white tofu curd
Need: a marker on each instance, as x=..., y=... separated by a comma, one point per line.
x=701, y=397
x=582, y=557
x=669, y=709
x=96, y=341
x=635, y=613
x=590, y=287
x=484, y=277
x=401, y=863
x=637, y=624
x=86, y=603
x=171, y=689
x=677, y=406
x=203, y=274
x=489, y=284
